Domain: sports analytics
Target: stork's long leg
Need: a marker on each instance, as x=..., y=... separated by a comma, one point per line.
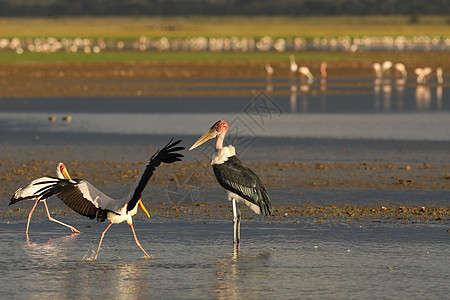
x=74, y=230
x=101, y=239
x=235, y=222
x=239, y=223
x=29, y=215
x=136, y=239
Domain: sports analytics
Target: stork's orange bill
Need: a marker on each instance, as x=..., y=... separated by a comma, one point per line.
x=210, y=134
x=65, y=172
x=141, y=205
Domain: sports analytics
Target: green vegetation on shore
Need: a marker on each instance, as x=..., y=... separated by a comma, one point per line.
x=178, y=27
x=117, y=56
x=123, y=56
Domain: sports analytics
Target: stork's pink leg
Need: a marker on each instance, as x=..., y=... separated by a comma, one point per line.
x=59, y=222
x=29, y=216
x=101, y=239
x=137, y=242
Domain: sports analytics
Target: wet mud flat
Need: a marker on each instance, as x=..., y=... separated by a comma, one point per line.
x=315, y=180
x=313, y=191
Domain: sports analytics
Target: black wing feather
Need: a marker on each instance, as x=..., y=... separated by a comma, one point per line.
x=166, y=155
x=234, y=176
x=67, y=191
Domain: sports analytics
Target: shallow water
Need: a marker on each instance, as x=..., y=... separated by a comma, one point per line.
x=196, y=260
x=340, y=109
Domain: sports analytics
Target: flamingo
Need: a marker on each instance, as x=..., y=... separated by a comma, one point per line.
x=293, y=65
x=399, y=67
x=377, y=70
x=422, y=74
x=386, y=66
x=323, y=69
x=304, y=71
x=269, y=72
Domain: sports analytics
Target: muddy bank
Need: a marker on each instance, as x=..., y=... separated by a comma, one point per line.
x=426, y=177
x=131, y=79
x=282, y=212
x=119, y=176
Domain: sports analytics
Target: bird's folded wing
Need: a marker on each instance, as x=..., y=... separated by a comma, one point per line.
x=241, y=180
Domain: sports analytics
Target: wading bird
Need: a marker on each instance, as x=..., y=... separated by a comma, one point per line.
x=386, y=66
x=323, y=69
x=292, y=65
x=400, y=68
x=305, y=72
x=377, y=70
x=423, y=74
x=27, y=193
x=239, y=181
x=85, y=199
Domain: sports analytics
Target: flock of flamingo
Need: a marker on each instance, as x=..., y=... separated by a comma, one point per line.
x=218, y=44
x=384, y=73
x=383, y=70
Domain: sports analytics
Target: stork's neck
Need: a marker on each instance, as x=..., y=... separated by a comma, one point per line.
x=219, y=139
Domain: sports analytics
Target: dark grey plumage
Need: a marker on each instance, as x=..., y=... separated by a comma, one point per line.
x=235, y=177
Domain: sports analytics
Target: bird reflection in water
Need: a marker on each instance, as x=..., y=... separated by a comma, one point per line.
x=54, y=247
x=323, y=91
x=384, y=87
x=400, y=89
x=423, y=97
x=293, y=99
x=129, y=279
x=387, y=92
x=439, y=97
x=227, y=276
x=269, y=73
x=231, y=271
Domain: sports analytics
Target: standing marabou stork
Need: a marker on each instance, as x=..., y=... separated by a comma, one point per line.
x=27, y=193
x=85, y=199
x=239, y=181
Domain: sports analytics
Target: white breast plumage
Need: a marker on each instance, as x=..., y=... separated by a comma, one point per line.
x=222, y=155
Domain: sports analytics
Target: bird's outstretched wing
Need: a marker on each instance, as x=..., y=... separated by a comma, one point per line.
x=81, y=196
x=31, y=191
x=167, y=155
x=234, y=176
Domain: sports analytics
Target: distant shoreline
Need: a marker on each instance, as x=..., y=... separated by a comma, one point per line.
x=69, y=79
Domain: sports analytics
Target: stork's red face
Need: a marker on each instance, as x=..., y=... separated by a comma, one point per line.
x=215, y=130
x=220, y=125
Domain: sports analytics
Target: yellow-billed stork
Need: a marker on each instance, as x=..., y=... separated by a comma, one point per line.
x=85, y=199
x=239, y=181
x=27, y=193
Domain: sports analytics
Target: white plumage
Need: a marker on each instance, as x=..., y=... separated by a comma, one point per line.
x=87, y=200
x=29, y=193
